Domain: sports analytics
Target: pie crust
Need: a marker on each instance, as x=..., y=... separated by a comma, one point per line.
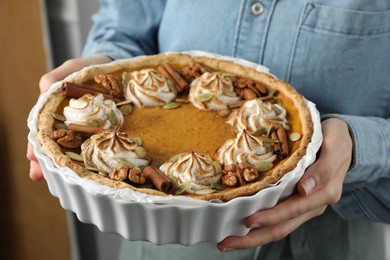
x=295, y=106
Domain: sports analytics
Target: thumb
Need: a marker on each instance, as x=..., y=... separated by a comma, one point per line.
x=317, y=175
x=306, y=186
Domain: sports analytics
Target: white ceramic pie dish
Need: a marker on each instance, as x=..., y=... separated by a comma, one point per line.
x=169, y=219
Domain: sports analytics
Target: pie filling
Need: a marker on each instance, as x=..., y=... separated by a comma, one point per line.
x=175, y=124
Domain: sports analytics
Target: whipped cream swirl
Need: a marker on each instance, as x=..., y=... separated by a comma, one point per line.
x=197, y=169
x=107, y=151
x=148, y=88
x=217, y=88
x=246, y=148
x=255, y=114
x=93, y=111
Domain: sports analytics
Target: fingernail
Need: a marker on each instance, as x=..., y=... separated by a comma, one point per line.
x=309, y=185
x=226, y=249
x=255, y=225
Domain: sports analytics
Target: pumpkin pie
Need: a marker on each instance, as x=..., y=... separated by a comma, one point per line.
x=176, y=125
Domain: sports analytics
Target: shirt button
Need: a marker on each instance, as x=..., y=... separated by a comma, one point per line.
x=257, y=8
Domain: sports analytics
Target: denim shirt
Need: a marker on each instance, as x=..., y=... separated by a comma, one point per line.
x=336, y=53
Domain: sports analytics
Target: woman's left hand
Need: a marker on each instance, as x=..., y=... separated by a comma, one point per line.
x=320, y=186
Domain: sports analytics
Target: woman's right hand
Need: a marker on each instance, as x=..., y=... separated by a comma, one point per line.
x=46, y=81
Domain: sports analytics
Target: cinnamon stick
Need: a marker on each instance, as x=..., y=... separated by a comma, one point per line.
x=159, y=179
x=237, y=104
x=282, y=137
x=75, y=90
x=85, y=129
x=181, y=83
x=169, y=73
x=277, y=147
x=266, y=98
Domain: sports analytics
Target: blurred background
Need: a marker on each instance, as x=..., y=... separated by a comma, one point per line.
x=36, y=36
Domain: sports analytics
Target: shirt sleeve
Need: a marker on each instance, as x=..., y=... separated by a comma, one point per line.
x=124, y=29
x=366, y=187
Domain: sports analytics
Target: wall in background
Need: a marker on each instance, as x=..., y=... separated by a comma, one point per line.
x=68, y=23
x=32, y=222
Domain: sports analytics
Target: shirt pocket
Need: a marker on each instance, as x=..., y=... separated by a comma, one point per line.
x=341, y=60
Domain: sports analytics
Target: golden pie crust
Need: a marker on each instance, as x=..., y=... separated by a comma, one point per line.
x=292, y=101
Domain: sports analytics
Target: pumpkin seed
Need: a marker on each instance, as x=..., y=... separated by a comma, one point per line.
x=172, y=87
x=93, y=169
x=154, y=71
x=269, y=130
x=171, y=105
x=60, y=126
x=260, y=131
x=206, y=69
x=74, y=156
x=264, y=166
x=126, y=109
x=182, y=188
x=126, y=77
x=182, y=100
x=229, y=75
x=173, y=179
x=294, y=137
x=58, y=117
x=224, y=112
x=276, y=109
x=204, y=191
x=218, y=186
x=275, y=118
x=217, y=167
x=277, y=101
x=174, y=158
x=126, y=102
x=208, y=158
x=156, y=163
x=124, y=161
x=103, y=174
x=287, y=126
x=229, y=92
x=138, y=141
x=95, y=137
x=271, y=92
x=270, y=141
x=95, y=122
x=205, y=97
x=140, y=151
x=112, y=117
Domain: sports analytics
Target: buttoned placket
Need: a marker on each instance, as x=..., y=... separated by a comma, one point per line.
x=252, y=28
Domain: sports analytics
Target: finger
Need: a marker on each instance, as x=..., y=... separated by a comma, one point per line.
x=289, y=209
x=267, y=234
x=30, y=153
x=35, y=171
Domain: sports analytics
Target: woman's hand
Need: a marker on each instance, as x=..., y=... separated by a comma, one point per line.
x=320, y=186
x=46, y=81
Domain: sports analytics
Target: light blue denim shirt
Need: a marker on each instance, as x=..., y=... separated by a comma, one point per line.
x=336, y=53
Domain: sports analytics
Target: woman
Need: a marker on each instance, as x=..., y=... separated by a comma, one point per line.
x=337, y=54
